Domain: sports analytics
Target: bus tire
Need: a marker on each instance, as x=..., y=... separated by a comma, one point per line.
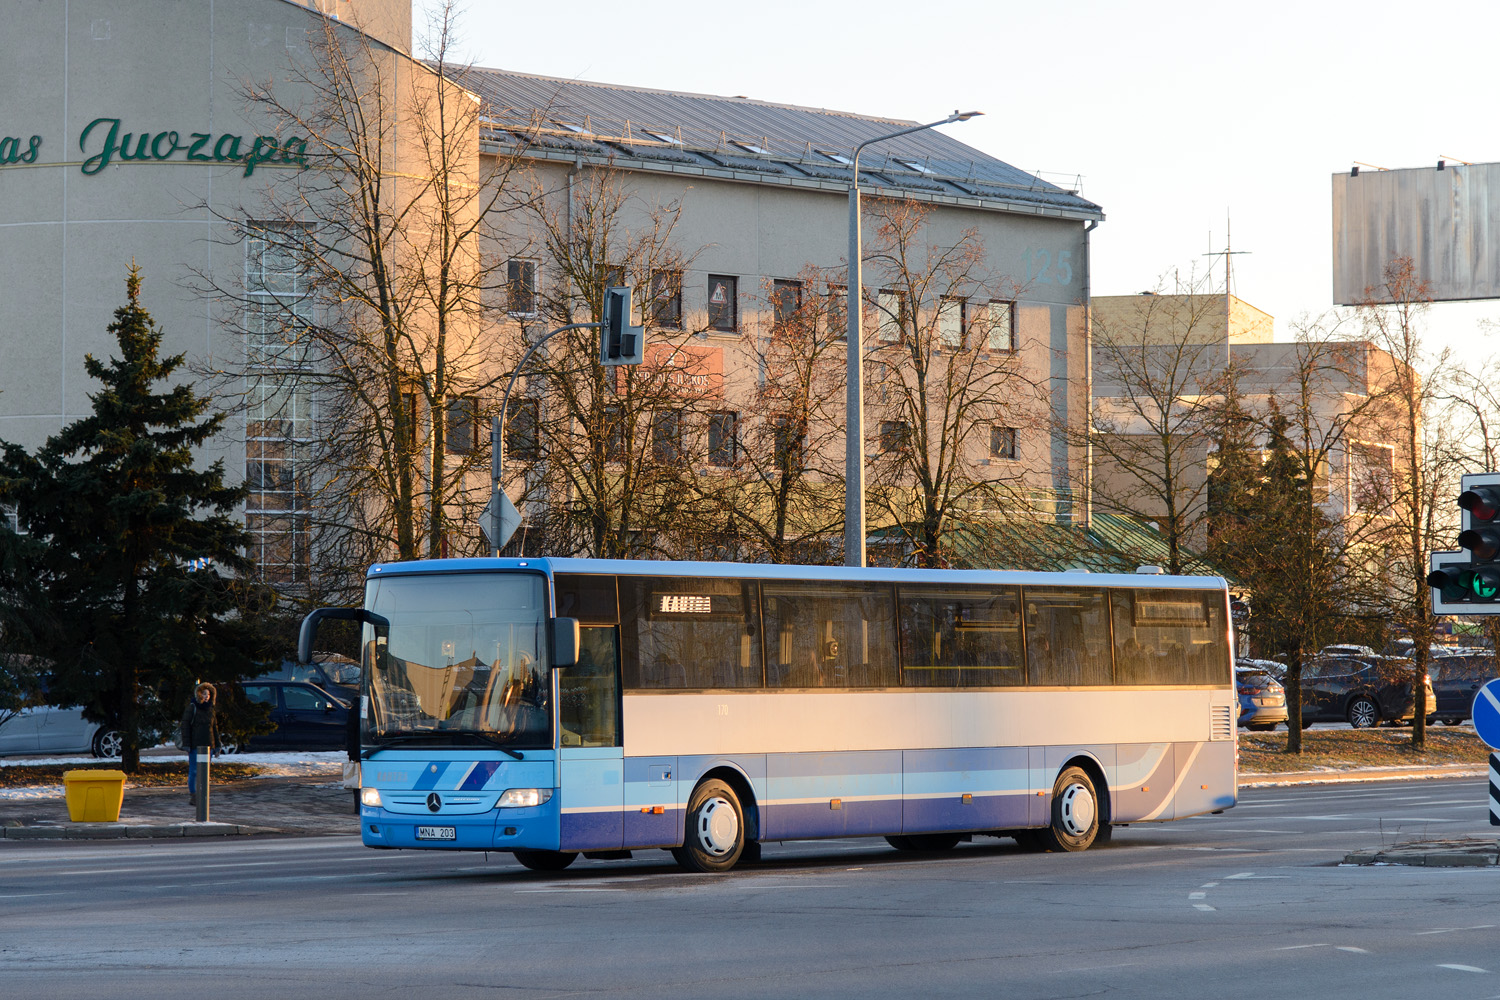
x=546, y=861
x=714, y=837
x=1075, y=813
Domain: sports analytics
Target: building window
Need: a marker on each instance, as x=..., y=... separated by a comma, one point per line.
x=723, y=438
x=838, y=312
x=614, y=434
x=462, y=435
x=1002, y=442
x=279, y=432
x=952, y=322
x=522, y=440
x=1372, y=470
x=666, y=300
x=895, y=436
x=666, y=436
x=406, y=434
x=520, y=287
x=1000, y=317
x=786, y=302
x=892, y=315
x=723, y=304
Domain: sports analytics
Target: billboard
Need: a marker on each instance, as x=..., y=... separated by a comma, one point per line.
x=1445, y=218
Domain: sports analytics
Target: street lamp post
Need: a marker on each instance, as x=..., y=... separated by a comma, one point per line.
x=854, y=454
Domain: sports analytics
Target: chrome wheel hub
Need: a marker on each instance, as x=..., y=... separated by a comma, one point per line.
x=718, y=827
x=1078, y=810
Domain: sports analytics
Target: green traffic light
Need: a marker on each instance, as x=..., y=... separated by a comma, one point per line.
x=1484, y=585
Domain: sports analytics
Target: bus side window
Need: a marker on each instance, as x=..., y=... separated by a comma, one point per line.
x=1067, y=636
x=591, y=690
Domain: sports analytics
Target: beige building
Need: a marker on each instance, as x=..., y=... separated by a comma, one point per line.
x=131, y=136
x=1161, y=361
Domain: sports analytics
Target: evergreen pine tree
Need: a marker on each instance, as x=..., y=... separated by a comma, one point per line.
x=1291, y=563
x=141, y=568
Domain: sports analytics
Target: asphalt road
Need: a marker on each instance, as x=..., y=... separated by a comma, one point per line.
x=1250, y=902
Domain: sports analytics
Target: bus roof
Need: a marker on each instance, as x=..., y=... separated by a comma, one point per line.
x=773, y=571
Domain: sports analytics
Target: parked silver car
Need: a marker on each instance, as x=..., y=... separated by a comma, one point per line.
x=49, y=729
x=1262, y=698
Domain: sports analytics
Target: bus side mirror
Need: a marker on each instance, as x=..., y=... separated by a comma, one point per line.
x=565, y=642
x=309, y=628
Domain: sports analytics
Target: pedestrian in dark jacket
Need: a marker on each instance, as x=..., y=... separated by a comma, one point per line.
x=198, y=730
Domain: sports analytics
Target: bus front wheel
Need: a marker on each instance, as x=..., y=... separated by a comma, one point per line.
x=1075, y=813
x=715, y=834
x=546, y=861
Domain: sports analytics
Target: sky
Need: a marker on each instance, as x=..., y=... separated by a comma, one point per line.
x=1186, y=121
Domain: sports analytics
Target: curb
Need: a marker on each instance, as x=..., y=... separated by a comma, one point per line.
x=1432, y=854
x=129, y=831
x=1264, y=779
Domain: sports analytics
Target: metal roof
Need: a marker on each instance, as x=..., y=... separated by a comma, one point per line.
x=751, y=140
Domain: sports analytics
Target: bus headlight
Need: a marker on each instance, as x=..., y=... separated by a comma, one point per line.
x=520, y=797
x=370, y=797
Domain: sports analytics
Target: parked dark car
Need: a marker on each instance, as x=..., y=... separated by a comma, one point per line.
x=329, y=671
x=1262, y=698
x=1455, y=681
x=305, y=717
x=1361, y=691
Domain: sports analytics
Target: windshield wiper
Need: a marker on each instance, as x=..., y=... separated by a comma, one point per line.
x=447, y=736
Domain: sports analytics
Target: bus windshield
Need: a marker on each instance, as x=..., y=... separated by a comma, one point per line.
x=463, y=659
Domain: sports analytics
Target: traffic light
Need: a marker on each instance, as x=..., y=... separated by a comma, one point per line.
x=619, y=342
x=1468, y=582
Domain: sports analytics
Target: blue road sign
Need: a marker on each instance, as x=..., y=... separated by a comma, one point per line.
x=1487, y=713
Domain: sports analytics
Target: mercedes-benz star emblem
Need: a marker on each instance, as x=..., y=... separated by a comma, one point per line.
x=434, y=802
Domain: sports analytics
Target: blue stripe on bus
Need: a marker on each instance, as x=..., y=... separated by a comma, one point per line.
x=431, y=774
x=478, y=776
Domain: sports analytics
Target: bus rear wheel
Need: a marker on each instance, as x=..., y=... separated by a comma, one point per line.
x=546, y=861
x=1075, y=813
x=715, y=834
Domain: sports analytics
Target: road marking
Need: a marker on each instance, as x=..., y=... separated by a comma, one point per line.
x=1463, y=968
x=1197, y=895
x=1252, y=875
x=1351, y=948
x=1204, y=907
x=539, y=891
x=1450, y=930
x=1209, y=885
x=28, y=895
x=1299, y=947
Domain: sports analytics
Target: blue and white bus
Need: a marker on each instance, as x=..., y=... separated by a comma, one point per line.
x=557, y=707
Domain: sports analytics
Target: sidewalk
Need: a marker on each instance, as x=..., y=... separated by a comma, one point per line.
x=304, y=806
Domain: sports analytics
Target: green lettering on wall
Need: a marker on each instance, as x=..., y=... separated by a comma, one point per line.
x=99, y=160
x=102, y=144
x=230, y=154
x=156, y=145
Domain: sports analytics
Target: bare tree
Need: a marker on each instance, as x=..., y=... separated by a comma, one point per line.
x=367, y=355
x=779, y=496
x=948, y=389
x=1161, y=370
x=1424, y=465
x=612, y=448
x=1306, y=550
